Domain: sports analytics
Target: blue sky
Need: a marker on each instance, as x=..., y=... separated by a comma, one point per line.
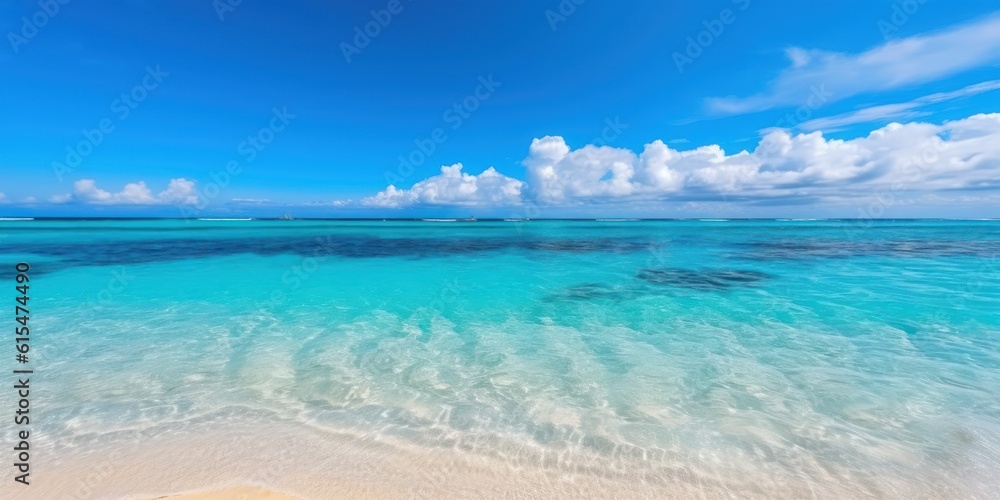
x=570, y=108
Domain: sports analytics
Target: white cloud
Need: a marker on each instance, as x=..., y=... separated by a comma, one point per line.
x=253, y=201
x=921, y=157
x=334, y=203
x=555, y=173
x=59, y=199
x=798, y=57
x=136, y=193
x=178, y=192
x=3, y=198
x=453, y=187
x=898, y=111
x=894, y=64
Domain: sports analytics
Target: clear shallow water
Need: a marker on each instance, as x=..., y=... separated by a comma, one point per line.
x=813, y=351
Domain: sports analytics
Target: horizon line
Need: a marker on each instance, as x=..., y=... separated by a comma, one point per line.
x=501, y=219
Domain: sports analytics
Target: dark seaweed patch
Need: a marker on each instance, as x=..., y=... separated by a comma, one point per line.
x=107, y=253
x=593, y=291
x=837, y=249
x=705, y=280
x=702, y=279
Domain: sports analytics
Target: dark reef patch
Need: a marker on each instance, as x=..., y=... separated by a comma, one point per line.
x=594, y=291
x=847, y=248
x=125, y=252
x=656, y=281
x=702, y=279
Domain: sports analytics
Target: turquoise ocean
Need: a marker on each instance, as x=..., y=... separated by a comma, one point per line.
x=852, y=354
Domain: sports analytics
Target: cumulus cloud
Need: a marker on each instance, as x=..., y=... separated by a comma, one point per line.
x=894, y=64
x=921, y=159
x=453, y=187
x=963, y=154
x=3, y=198
x=334, y=203
x=957, y=155
x=178, y=192
x=556, y=174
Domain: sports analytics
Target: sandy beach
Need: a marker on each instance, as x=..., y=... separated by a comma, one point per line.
x=197, y=460
x=239, y=493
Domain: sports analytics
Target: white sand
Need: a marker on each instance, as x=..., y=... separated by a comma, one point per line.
x=242, y=460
